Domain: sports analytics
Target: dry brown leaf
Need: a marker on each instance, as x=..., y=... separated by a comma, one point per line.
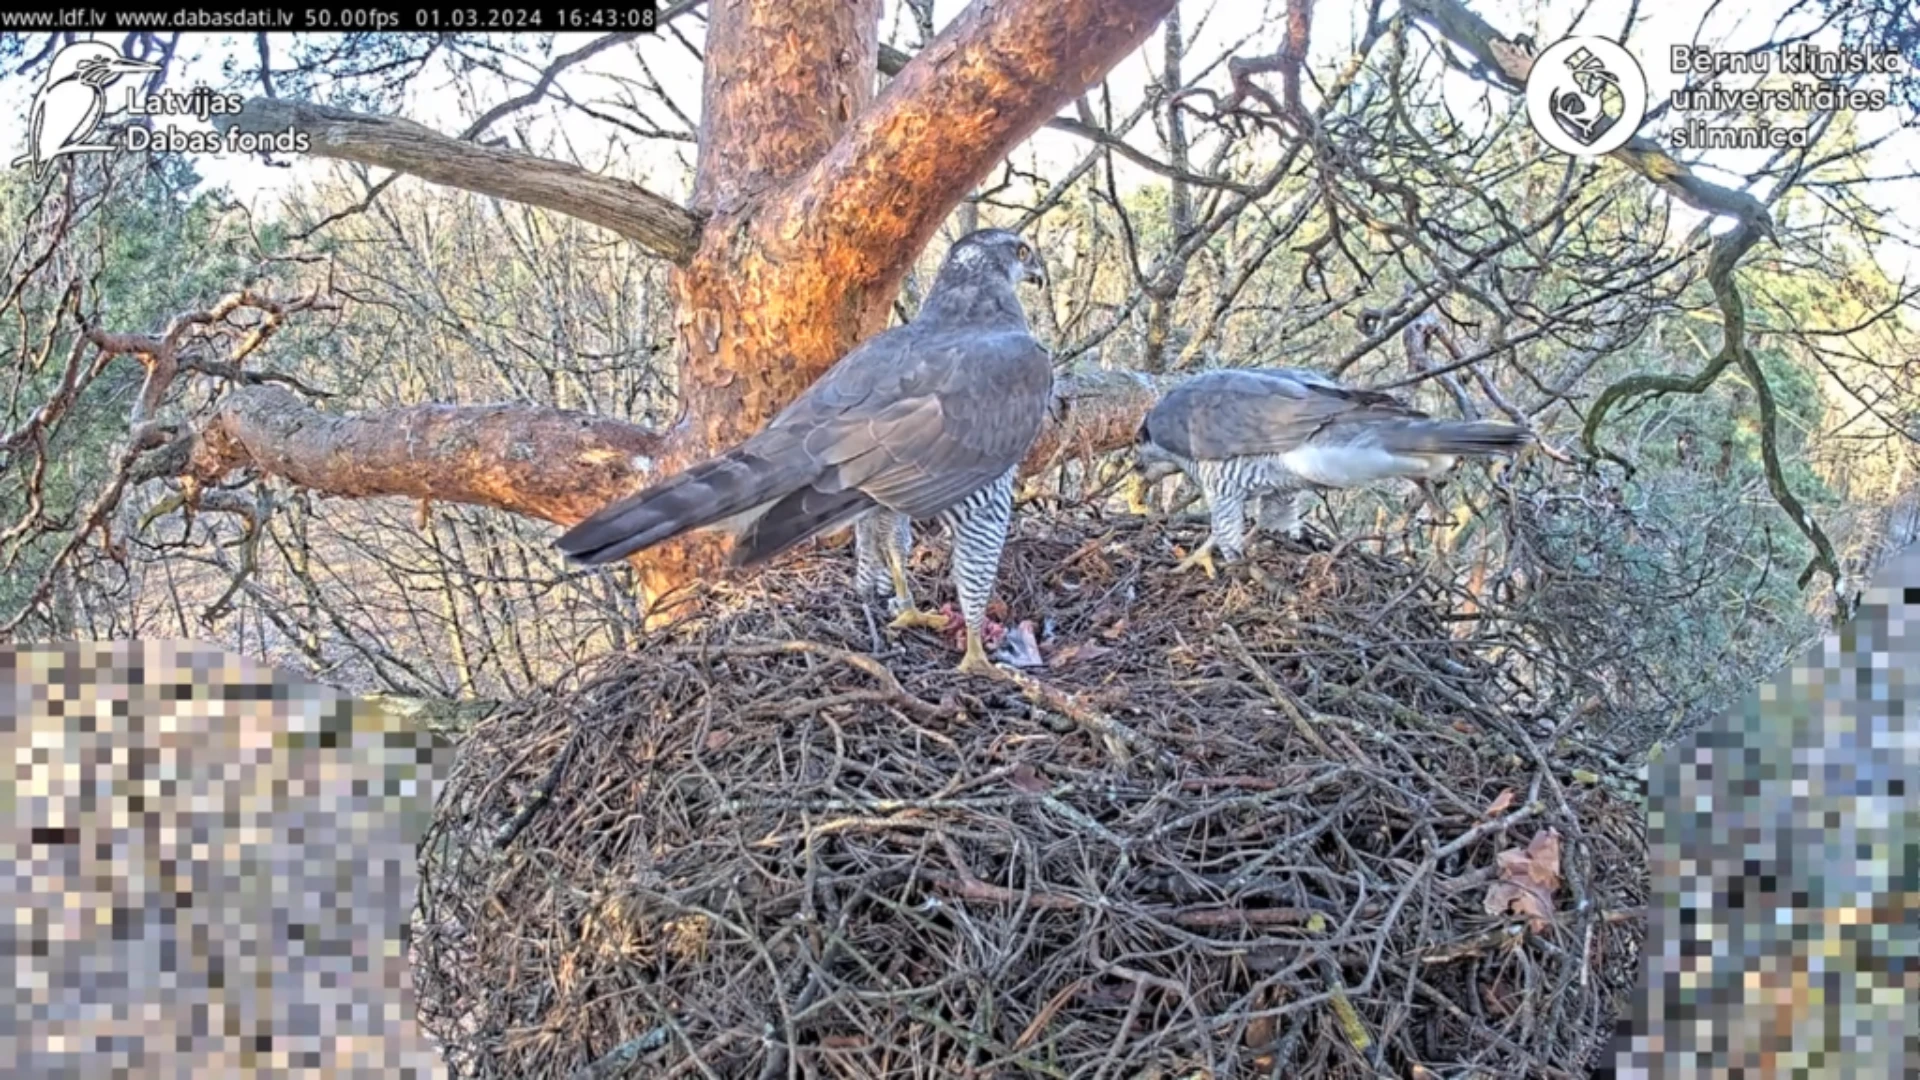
x=1115, y=632
x=1501, y=803
x=1529, y=877
x=1263, y=1030
x=717, y=740
x=1421, y=1072
x=1545, y=853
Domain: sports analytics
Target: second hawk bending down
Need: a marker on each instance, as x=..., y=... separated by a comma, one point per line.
x=1280, y=432
x=924, y=421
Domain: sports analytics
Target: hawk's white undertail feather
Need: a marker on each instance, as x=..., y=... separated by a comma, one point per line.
x=738, y=523
x=1358, y=466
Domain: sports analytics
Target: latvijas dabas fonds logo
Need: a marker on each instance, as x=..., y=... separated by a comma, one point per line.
x=84, y=85
x=69, y=107
x=1586, y=96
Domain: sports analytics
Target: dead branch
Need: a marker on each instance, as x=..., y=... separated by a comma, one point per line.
x=387, y=142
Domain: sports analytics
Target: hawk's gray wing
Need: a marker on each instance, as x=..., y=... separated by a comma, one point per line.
x=1239, y=413
x=914, y=423
x=916, y=419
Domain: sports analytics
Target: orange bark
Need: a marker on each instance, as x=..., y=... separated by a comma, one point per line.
x=553, y=464
x=821, y=196
x=756, y=325
x=812, y=198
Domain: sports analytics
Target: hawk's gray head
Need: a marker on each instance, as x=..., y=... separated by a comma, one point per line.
x=996, y=253
x=1151, y=462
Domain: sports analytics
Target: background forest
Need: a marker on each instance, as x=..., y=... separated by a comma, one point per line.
x=1673, y=546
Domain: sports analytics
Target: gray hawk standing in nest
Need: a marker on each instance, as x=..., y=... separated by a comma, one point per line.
x=1254, y=433
x=927, y=421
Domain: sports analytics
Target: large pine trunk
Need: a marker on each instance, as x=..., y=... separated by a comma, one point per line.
x=817, y=205
x=761, y=312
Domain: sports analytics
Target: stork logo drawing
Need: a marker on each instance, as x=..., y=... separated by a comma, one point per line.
x=70, y=105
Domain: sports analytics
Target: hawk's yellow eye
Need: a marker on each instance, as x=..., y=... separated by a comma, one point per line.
x=1025, y=253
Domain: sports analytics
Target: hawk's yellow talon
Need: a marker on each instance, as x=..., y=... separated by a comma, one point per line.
x=914, y=617
x=906, y=611
x=1137, y=496
x=975, y=661
x=1202, y=558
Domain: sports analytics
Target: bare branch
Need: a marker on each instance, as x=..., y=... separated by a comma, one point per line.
x=893, y=61
x=554, y=464
x=654, y=222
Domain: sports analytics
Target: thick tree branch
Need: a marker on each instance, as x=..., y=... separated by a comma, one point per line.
x=1098, y=412
x=991, y=79
x=654, y=222
x=553, y=464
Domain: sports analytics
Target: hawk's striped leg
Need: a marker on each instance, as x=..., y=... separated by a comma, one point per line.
x=1224, y=485
x=979, y=526
x=869, y=567
x=882, y=542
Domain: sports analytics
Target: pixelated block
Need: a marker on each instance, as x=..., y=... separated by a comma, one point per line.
x=1784, y=937
x=210, y=868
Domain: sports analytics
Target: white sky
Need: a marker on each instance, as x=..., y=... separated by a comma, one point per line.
x=445, y=102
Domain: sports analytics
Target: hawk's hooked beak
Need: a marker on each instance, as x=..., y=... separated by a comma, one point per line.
x=1150, y=463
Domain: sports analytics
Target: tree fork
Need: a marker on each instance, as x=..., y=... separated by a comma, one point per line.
x=812, y=195
x=821, y=195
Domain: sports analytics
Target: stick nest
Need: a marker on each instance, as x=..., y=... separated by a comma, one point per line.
x=1300, y=826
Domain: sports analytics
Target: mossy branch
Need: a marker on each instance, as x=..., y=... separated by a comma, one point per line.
x=1507, y=61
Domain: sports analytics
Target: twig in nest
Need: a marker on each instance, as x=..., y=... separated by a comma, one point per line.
x=967, y=887
x=1477, y=945
x=615, y=1061
x=1277, y=692
x=1119, y=739
x=540, y=796
x=1354, y=1028
x=895, y=692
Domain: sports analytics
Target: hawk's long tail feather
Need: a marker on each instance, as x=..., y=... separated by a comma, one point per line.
x=1454, y=437
x=723, y=487
x=801, y=514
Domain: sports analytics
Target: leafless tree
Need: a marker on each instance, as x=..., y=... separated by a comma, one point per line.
x=1343, y=218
